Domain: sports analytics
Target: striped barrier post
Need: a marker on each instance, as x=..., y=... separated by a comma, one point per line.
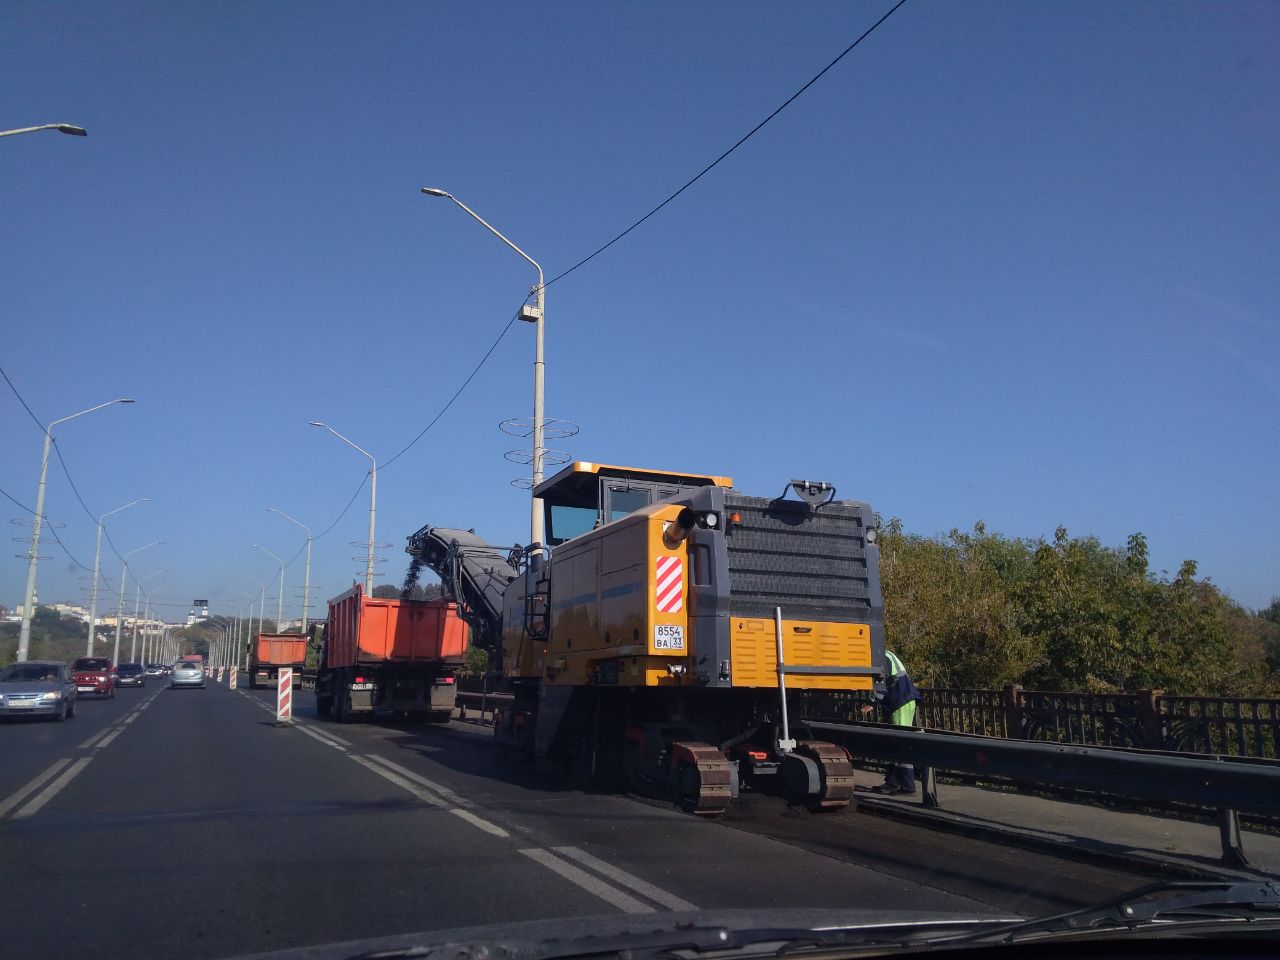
x=231, y=680
x=284, y=696
x=220, y=669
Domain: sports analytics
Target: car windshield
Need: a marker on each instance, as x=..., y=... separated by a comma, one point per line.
x=672, y=466
x=29, y=673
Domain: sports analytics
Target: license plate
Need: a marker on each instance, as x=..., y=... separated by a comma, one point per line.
x=362, y=686
x=85, y=689
x=22, y=704
x=668, y=636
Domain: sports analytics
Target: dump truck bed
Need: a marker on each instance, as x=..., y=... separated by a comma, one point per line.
x=281, y=649
x=367, y=630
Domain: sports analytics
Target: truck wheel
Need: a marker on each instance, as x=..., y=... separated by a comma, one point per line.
x=324, y=706
x=340, y=712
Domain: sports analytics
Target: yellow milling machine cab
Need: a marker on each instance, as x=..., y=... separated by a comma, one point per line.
x=641, y=645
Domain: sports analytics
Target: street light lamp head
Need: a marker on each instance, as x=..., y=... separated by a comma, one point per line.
x=436, y=192
x=126, y=400
x=317, y=423
x=71, y=129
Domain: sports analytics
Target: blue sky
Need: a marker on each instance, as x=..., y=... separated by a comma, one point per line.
x=1007, y=261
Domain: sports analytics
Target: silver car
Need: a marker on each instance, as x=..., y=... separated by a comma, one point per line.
x=186, y=673
x=37, y=688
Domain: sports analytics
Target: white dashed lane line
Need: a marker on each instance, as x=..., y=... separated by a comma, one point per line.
x=588, y=882
x=615, y=886
x=15, y=798
x=51, y=791
x=642, y=887
x=96, y=737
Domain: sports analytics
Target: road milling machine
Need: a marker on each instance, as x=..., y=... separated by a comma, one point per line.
x=651, y=642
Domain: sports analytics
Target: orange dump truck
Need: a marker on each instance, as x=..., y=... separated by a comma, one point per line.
x=270, y=652
x=389, y=657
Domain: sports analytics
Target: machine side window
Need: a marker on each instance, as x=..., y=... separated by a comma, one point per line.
x=624, y=502
x=566, y=522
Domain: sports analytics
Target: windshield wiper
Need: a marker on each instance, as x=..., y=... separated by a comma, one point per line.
x=1158, y=904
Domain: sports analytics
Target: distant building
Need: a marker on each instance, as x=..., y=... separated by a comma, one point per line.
x=71, y=610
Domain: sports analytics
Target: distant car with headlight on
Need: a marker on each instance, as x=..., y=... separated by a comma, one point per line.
x=186, y=673
x=37, y=688
x=94, y=675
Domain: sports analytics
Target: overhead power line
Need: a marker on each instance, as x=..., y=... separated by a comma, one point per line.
x=30, y=413
x=745, y=137
x=599, y=250
x=457, y=393
x=17, y=503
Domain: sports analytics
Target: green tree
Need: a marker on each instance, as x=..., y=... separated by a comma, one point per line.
x=388, y=591
x=948, y=612
x=476, y=662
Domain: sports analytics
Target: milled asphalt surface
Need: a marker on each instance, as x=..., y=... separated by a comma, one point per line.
x=195, y=827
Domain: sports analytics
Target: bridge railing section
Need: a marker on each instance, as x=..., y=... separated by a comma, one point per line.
x=1149, y=719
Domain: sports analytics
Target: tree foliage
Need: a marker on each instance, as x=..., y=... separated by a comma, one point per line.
x=978, y=609
x=389, y=591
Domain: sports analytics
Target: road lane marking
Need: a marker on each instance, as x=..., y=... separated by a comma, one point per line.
x=399, y=781
x=480, y=822
x=419, y=790
x=332, y=736
x=642, y=887
x=15, y=798
x=593, y=885
x=444, y=792
x=89, y=743
x=114, y=733
x=48, y=793
x=315, y=735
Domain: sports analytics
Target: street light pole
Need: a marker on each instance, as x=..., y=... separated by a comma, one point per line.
x=280, y=598
x=148, y=631
x=33, y=557
x=373, y=499
x=535, y=514
x=262, y=600
x=249, y=638
x=137, y=596
x=124, y=578
x=306, y=577
x=97, y=566
x=60, y=127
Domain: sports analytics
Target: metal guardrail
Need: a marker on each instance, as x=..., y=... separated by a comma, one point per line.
x=1250, y=785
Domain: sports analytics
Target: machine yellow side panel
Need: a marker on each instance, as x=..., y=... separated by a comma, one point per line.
x=668, y=591
x=808, y=643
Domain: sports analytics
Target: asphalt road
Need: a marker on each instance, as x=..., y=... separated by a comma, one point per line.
x=185, y=823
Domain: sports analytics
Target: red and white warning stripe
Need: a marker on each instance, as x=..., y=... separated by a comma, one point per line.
x=669, y=592
x=231, y=683
x=220, y=669
x=284, y=695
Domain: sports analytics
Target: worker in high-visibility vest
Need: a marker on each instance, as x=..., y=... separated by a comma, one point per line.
x=899, y=705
